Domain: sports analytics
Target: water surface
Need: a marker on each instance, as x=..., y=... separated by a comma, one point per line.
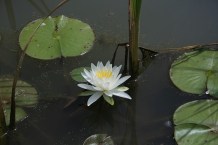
x=147, y=119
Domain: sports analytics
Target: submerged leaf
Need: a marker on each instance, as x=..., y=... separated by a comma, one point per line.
x=99, y=139
x=196, y=123
x=26, y=95
x=196, y=72
x=56, y=37
x=20, y=114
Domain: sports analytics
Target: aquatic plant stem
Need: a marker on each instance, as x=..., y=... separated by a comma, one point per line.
x=19, y=66
x=134, y=14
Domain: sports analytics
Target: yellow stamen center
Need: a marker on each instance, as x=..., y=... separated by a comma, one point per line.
x=103, y=74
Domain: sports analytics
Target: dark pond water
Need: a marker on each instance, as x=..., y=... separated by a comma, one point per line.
x=147, y=119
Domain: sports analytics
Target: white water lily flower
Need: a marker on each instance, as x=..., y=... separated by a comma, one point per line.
x=104, y=81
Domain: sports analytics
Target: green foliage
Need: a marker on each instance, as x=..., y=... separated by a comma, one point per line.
x=196, y=72
x=196, y=123
x=57, y=37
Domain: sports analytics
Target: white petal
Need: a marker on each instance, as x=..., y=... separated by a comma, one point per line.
x=93, y=67
x=85, y=77
x=122, y=95
x=87, y=87
x=100, y=65
x=106, y=85
x=88, y=76
x=87, y=73
x=108, y=66
x=115, y=79
x=116, y=70
x=120, y=81
x=94, y=98
x=98, y=89
x=109, y=93
x=114, y=82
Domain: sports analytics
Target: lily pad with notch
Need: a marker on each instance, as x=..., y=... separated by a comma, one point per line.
x=196, y=123
x=196, y=72
x=57, y=37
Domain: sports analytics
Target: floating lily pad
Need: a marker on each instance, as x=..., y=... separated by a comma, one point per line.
x=196, y=72
x=196, y=123
x=76, y=74
x=99, y=139
x=26, y=95
x=57, y=37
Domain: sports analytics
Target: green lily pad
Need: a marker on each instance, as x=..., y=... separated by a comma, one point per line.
x=196, y=72
x=26, y=95
x=57, y=37
x=76, y=74
x=99, y=139
x=196, y=123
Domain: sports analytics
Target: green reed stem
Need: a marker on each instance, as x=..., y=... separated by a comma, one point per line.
x=134, y=16
x=19, y=66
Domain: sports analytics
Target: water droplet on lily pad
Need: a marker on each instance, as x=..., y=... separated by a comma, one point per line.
x=57, y=37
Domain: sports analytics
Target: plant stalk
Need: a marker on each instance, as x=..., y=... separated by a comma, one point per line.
x=19, y=66
x=134, y=15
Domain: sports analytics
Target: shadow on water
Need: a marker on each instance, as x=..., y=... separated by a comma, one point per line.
x=147, y=118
